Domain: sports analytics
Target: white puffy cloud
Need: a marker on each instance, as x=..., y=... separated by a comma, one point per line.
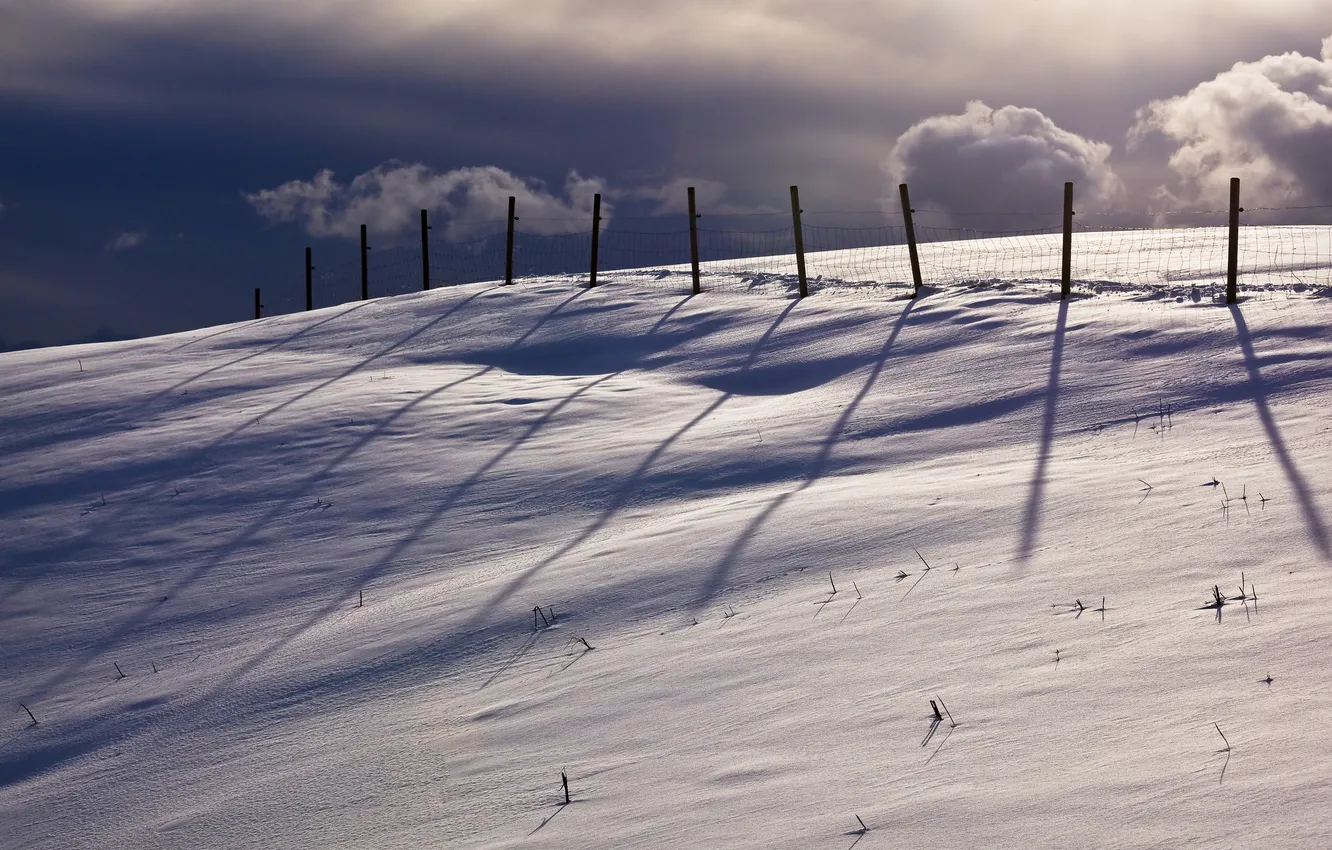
x=127, y=240
x=1267, y=122
x=388, y=199
x=1010, y=159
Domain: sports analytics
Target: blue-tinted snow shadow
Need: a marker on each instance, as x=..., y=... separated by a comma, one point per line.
x=601, y=353
x=276, y=510
x=61, y=739
x=954, y=417
x=89, y=426
x=456, y=493
x=622, y=494
x=32, y=760
x=607, y=350
x=479, y=634
x=127, y=476
x=716, y=580
x=1031, y=516
x=1313, y=518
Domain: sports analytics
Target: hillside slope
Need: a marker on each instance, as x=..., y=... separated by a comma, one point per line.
x=676, y=477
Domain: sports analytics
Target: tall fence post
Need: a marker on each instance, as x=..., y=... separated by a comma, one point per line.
x=693, y=240
x=365, y=267
x=1066, y=275
x=911, y=238
x=1232, y=259
x=596, y=234
x=309, y=279
x=425, y=250
x=258, y=306
x=508, y=245
x=799, y=241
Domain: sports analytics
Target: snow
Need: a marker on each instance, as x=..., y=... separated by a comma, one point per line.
x=676, y=477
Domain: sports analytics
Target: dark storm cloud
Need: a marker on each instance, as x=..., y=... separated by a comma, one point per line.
x=723, y=91
x=160, y=116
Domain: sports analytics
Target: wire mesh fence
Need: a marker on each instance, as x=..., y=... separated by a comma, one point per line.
x=1188, y=251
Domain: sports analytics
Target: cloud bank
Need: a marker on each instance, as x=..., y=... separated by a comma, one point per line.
x=1010, y=159
x=388, y=199
x=1267, y=122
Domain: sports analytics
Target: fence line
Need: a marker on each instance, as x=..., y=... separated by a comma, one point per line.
x=951, y=248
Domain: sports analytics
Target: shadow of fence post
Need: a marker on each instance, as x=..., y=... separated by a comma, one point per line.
x=1036, y=489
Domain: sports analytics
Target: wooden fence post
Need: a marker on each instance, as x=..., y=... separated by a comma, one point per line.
x=258, y=307
x=309, y=280
x=596, y=234
x=508, y=245
x=911, y=238
x=799, y=241
x=693, y=240
x=365, y=267
x=1066, y=275
x=425, y=250
x=1232, y=259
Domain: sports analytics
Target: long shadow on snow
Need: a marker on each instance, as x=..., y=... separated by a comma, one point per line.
x=595, y=354
x=621, y=497
x=1313, y=517
x=85, y=429
x=444, y=654
x=419, y=530
x=254, y=528
x=473, y=637
x=197, y=339
x=132, y=475
x=33, y=761
x=717, y=579
x=220, y=555
x=810, y=369
x=121, y=478
x=129, y=476
x=306, y=329
x=954, y=417
x=1031, y=516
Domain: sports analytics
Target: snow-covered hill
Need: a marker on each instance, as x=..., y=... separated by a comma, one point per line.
x=273, y=584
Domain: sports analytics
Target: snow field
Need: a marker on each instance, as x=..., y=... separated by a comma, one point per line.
x=676, y=476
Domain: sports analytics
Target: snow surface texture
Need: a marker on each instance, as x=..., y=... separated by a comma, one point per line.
x=188, y=524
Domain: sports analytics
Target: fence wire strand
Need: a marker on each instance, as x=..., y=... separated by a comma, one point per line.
x=1104, y=257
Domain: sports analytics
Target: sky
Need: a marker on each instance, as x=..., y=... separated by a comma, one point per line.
x=161, y=158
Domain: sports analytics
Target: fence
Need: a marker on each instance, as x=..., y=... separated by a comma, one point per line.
x=1212, y=251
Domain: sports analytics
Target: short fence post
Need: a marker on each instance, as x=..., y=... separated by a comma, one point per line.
x=1232, y=260
x=508, y=245
x=911, y=238
x=596, y=233
x=258, y=307
x=1067, y=273
x=693, y=240
x=309, y=280
x=799, y=241
x=425, y=251
x=365, y=267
